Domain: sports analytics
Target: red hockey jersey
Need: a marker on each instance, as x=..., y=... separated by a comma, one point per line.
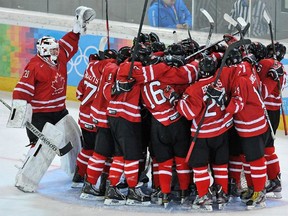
x=44, y=85
x=272, y=100
x=192, y=105
x=103, y=95
x=86, y=91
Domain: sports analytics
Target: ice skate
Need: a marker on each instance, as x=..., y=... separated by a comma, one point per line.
x=274, y=188
x=257, y=201
x=89, y=192
x=221, y=197
x=205, y=202
x=157, y=196
x=234, y=188
x=114, y=196
x=166, y=198
x=77, y=180
x=246, y=194
x=137, y=197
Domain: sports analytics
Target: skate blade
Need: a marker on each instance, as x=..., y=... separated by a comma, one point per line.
x=202, y=208
x=137, y=203
x=274, y=195
x=257, y=206
x=114, y=202
x=86, y=196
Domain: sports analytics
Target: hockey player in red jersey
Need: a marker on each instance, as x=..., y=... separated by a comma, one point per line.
x=270, y=67
x=212, y=138
x=99, y=163
x=86, y=91
x=42, y=86
x=251, y=125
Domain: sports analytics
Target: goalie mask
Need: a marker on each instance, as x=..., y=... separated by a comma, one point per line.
x=48, y=47
x=280, y=50
x=207, y=67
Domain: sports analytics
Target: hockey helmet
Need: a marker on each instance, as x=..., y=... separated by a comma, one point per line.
x=207, y=67
x=280, y=50
x=258, y=49
x=123, y=53
x=234, y=57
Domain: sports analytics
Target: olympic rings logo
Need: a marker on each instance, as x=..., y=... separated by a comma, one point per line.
x=80, y=61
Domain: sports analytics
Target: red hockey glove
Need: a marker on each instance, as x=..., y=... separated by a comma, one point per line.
x=170, y=94
x=229, y=39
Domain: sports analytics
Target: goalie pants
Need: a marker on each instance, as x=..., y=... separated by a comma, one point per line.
x=40, y=119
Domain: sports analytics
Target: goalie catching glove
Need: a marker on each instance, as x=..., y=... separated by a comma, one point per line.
x=276, y=71
x=171, y=95
x=83, y=16
x=20, y=113
x=122, y=86
x=217, y=94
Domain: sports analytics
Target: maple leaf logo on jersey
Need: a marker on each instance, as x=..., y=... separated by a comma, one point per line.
x=58, y=84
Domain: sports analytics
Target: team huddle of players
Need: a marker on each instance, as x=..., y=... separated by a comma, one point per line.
x=152, y=101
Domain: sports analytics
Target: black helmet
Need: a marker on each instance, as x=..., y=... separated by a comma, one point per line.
x=280, y=50
x=153, y=37
x=207, y=67
x=190, y=46
x=175, y=49
x=234, y=57
x=158, y=46
x=143, y=38
x=142, y=53
x=123, y=54
x=110, y=54
x=258, y=49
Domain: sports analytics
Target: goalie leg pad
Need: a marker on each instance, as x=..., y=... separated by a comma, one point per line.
x=38, y=160
x=72, y=134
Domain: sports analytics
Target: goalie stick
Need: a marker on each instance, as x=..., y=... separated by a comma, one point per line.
x=137, y=39
x=269, y=21
x=211, y=21
x=41, y=136
x=230, y=47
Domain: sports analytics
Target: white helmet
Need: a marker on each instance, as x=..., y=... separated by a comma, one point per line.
x=48, y=46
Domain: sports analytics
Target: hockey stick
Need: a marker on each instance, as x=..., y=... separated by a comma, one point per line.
x=244, y=31
x=230, y=47
x=102, y=45
x=269, y=21
x=41, y=136
x=137, y=40
x=211, y=21
x=107, y=25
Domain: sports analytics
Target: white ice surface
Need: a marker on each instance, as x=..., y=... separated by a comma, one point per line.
x=55, y=197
